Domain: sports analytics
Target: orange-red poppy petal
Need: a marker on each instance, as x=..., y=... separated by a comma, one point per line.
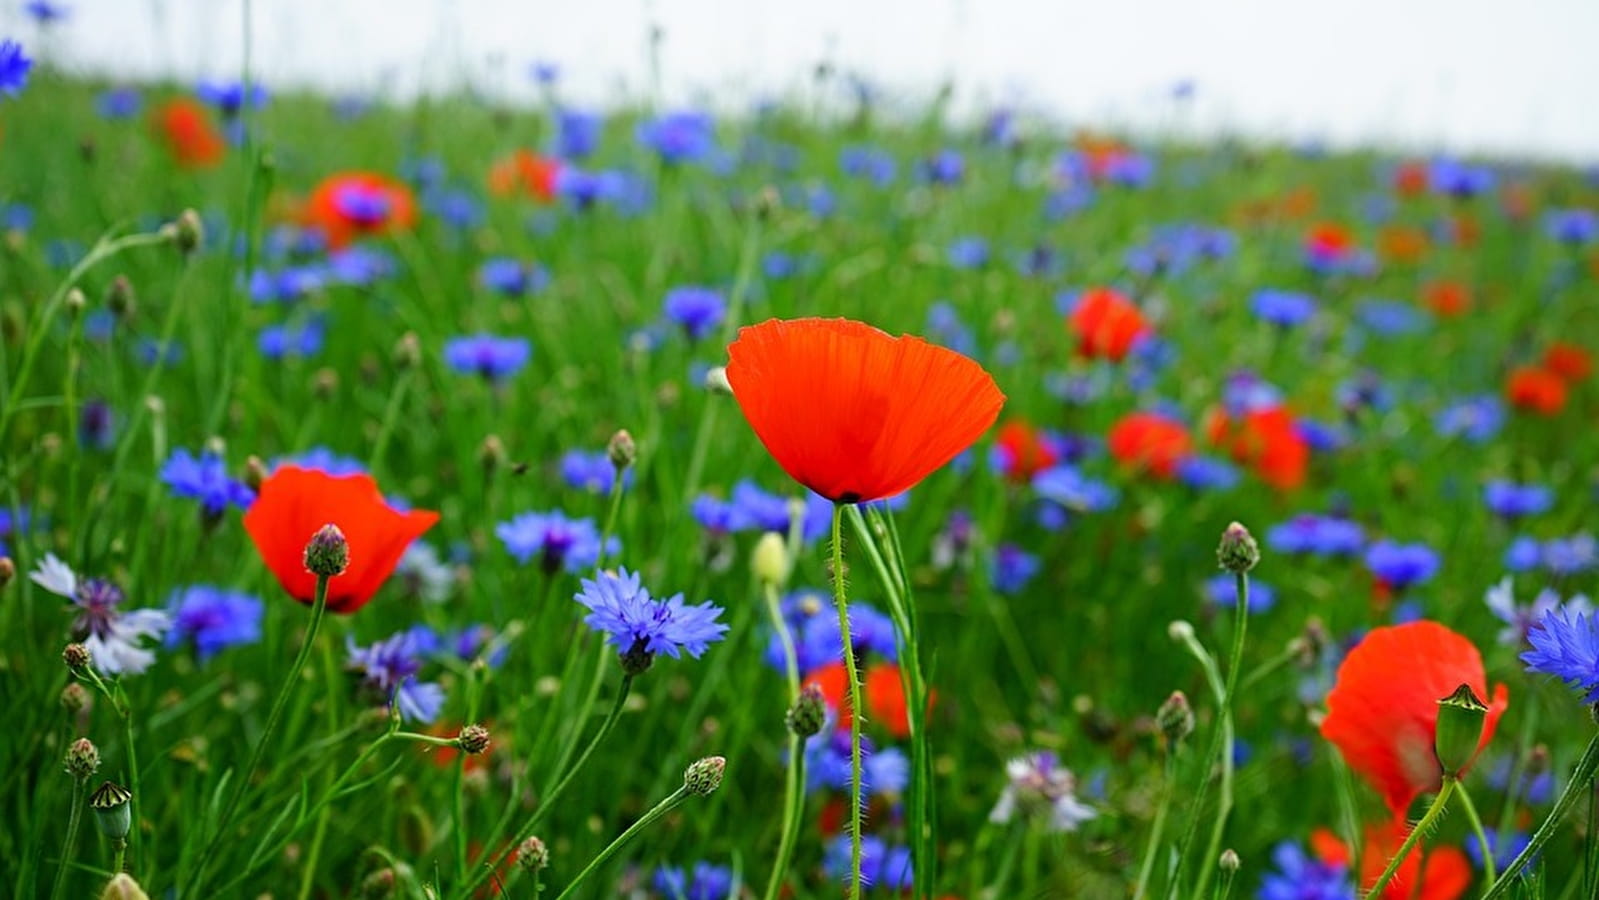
x=854, y=413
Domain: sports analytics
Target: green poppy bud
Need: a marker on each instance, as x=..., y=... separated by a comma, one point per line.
x=1460, y=721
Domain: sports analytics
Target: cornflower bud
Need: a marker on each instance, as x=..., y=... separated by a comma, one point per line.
x=809, y=712
x=120, y=299
x=1238, y=551
x=123, y=887
x=327, y=553
x=704, y=776
x=74, y=697
x=83, y=759
x=1175, y=718
x=8, y=570
x=473, y=739
x=532, y=855
x=189, y=233
x=621, y=450
x=76, y=656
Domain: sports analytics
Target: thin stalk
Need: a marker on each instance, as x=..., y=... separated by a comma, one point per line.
x=1581, y=779
x=1414, y=838
x=1224, y=805
x=74, y=820
x=119, y=852
x=1147, y=868
x=610, y=517
x=857, y=710
x=1222, y=734
x=1488, y=870
x=735, y=307
x=794, y=783
x=126, y=709
x=649, y=818
x=391, y=416
x=330, y=671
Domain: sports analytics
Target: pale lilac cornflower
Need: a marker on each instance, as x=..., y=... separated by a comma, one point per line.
x=424, y=574
x=1519, y=620
x=115, y=638
x=1040, y=786
x=389, y=668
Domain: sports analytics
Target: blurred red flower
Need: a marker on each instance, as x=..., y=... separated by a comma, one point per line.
x=1402, y=244
x=1536, y=390
x=185, y=127
x=1411, y=179
x=1446, y=298
x=525, y=172
x=1382, y=712
x=853, y=413
x=1443, y=872
x=1568, y=361
x=294, y=502
x=1023, y=452
x=885, y=696
x=1266, y=441
x=348, y=205
x=1106, y=324
x=1146, y=441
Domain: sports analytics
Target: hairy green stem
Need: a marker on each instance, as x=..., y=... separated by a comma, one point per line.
x=794, y=782
x=857, y=713
x=1414, y=838
x=1580, y=784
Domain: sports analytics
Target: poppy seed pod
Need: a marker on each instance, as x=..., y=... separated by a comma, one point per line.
x=113, y=811
x=1460, y=722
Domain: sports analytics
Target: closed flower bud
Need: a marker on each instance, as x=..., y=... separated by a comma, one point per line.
x=532, y=855
x=408, y=351
x=76, y=302
x=809, y=713
x=1180, y=631
x=491, y=453
x=189, y=233
x=76, y=656
x=255, y=473
x=1175, y=718
x=74, y=698
x=473, y=739
x=770, y=560
x=119, y=297
x=384, y=882
x=123, y=887
x=8, y=570
x=324, y=383
x=716, y=381
x=1460, y=721
x=112, y=811
x=83, y=759
x=1229, y=861
x=327, y=553
x=1238, y=551
x=704, y=776
x=621, y=450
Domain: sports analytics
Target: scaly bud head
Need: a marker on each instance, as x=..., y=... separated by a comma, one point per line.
x=189, y=233
x=1229, y=861
x=83, y=759
x=473, y=739
x=491, y=453
x=1237, y=551
x=327, y=553
x=1175, y=718
x=704, y=776
x=809, y=713
x=1460, y=721
x=716, y=381
x=76, y=656
x=621, y=450
x=75, y=698
x=120, y=299
x=532, y=855
x=408, y=351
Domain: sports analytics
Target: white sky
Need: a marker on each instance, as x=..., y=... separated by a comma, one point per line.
x=1461, y=75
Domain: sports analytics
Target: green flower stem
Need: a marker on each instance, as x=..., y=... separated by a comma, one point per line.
x=119, y=850
x=391, y=417
x=330, y=671
x=126, y=710
x=1414, y=838
x=610, y=519
x=1580, y=784
x=318, y=609
x=547, y=802
x=857, y=711
x=793, y=787
x=735, y=307
x=649, y=818
x=1168, y=790
x=1488, y=870
x=1224, y=805
x=1222, y=735
x=74, y=820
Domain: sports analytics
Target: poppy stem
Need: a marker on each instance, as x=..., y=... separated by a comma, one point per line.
x=318, y=607
x=857, y=712
x=1414, y=838
x=1578, y=786
x=1488, y=870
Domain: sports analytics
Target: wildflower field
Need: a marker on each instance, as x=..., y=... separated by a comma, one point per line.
x=452, y=501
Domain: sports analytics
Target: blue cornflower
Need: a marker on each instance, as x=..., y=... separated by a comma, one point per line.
x=1317, y=535
x=213, y=618
x=119, y=103
x=1570, y=555
x=1282, y=308
x=1402, y=565
x=1206, y=473
x=591, y=471
x=1322, y=437
x=1523, y=554
x=358, y=266
x=1387, y=318
x=869, y=163
x=1510, y=500
x=488, y=355
x=389, y=668
x=279, y=341
x=12, y=526
x=577, y=133
x=558, y=542
x=827, y=764
x=707, y=882
x=1572, y=226
x=459, y=209
x=14, y=68
x=512, y=277
x=641, y=627
x=759, y=510
x=677, y=137
x=1299, y=877
x=44, y=12
x=205, y=479
x=115, y=638
x=1067, y=492
x=968, y=253
x=944, y=325
x=699, y=310
x=231, y=97
x=1222, y=590
x=1519, y=620
x=287, y=284
x=1505, y=850
x=583, y=189
x=817, y=641
x=944, y=167
x=883, y=868
x=1012, y=569
x=1566, y=645
x=1477, y=419
x=323, y=460
x=467, y=643
x=544, y=72
x=1460, y=180
x=97, y=428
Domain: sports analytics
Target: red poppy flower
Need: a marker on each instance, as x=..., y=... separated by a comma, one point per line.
x=525, y=172
x=1411, y=179
x=1106, y=324
x=1266, y=441
x=348, y=205
x=1150, y=442
x=1446, y=298
x=885, y=696
x=852, y=412
x=295, y=502
x=1023, y=452
x=186, y=128
x=1536, y=390
x=1402, y=244
x=1443, y=872
x=1329, y=241
x=1569, y=361
x=1382, y=712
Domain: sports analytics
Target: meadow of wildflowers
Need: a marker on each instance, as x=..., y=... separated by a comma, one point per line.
x=453, y=501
